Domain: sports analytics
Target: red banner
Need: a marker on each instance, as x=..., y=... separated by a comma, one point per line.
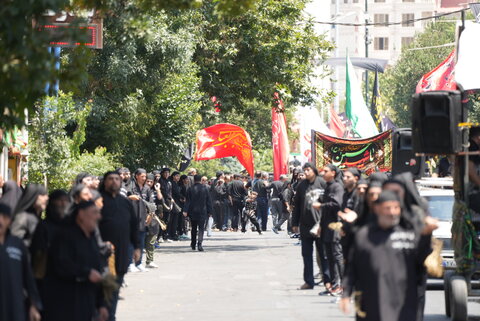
x=336, y=125
x=440, y=78
x=225, y=140
x=281, y=148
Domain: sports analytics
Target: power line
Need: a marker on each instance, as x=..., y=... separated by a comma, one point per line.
x=386, y=24
x=432, y=47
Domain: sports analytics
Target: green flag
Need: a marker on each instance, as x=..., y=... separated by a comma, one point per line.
x=355, y=107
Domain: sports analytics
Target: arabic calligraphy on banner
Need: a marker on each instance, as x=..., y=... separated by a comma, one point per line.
x=368, y=155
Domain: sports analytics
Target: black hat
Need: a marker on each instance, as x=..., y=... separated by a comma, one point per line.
x=165, y=169
x=387, y=196
x=310, y=165
x=5, y=210
x=362, y=181
x=378, y=176
x=355, y=171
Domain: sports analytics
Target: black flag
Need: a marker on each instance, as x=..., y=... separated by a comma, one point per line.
x=186, y=157
x=376, y=105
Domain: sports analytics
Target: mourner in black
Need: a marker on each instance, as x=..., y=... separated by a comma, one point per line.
x=19, y=299
x=140, y=195
x=74, y=270
x=329, y=205
x=383, y=270
x=198, y=207
x=236, y=194
x=120, y=227
x=279, y=206
x=305, y=217
x=248, y=213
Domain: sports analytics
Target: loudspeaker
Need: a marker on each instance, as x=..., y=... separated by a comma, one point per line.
x=435, y=119
x=403, y=157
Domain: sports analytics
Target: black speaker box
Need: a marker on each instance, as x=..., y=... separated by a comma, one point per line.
x=435, y=119
x=403, y=157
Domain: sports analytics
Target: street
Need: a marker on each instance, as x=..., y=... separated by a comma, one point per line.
x=239, y=276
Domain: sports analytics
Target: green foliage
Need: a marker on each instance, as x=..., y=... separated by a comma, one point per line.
x=25, y=63
x=144, y=88
x=97, y=163
x=398, y=83
x=263, y=162
x=247, y=56
x=55, y=157
x=151, y=84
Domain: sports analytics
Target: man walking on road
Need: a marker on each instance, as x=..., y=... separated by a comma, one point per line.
x=198, y=206
x=279, y=204
x=236, y=195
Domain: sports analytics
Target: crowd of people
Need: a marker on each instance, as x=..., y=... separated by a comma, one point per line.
x=67, y=253
x=371, y=236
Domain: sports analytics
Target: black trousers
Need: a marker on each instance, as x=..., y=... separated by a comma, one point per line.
x=333, y=251
x=173, y=224
x=219, y=210
x=200, y=225
x=236, y=212
x=252, y=218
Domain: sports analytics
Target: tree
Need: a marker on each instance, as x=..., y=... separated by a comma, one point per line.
x=55, y=158
x=152, y=84
x=250, y=56
x=398, y=83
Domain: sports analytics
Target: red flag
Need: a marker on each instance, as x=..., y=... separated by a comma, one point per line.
x=440, y=78
x=336, y=125
x=224, y=140
x=281, y=148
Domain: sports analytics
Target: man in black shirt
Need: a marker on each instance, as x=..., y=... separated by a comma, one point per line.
x=261, y=186
x=17, y=285
x=236, y=194
x=383, y=267
x=330, y=206
x=305, y=217
x=277, y=203
x=118, y=226
x=198, y=207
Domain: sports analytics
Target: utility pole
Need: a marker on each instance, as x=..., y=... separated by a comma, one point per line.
x=367, y=41
x=335, y=87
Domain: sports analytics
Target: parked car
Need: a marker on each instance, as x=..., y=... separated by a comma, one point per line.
x=440, y=196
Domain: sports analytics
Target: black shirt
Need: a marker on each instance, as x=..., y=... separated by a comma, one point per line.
x=303, y=216
x=69, y=293
x=16, y=278
x=119, y=226
x=199, y=203
x=332, y=200
x=237, y=190
x=385, y=266
x=260, y=187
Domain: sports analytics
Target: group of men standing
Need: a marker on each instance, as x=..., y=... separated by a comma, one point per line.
x=371, y=237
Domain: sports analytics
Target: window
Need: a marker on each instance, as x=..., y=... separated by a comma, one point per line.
x=355, y=1
x=406, y=41
x=380, y=43
x=407, y=19
x=379, y=1
x=345, y=1
x=425, y=15
x=408, y=0
x=380, y=18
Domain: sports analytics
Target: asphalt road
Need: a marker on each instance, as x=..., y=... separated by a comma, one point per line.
x=238, y=277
